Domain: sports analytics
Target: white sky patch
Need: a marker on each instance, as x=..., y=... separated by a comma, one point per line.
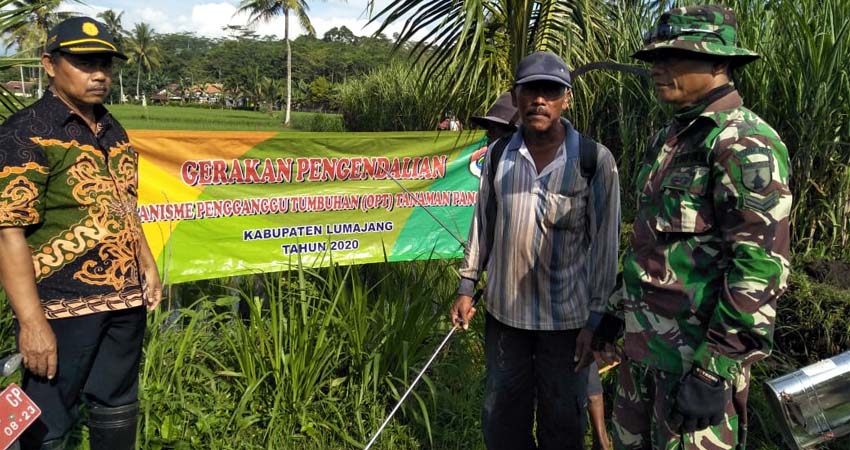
x=210, y=19
x=82, y=9
x=154, y=16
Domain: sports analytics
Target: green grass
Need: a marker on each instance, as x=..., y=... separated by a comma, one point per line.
x=330, y=352
x=315, y=359
x=136, y=117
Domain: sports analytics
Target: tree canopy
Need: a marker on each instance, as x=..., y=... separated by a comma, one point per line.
x=186, y=59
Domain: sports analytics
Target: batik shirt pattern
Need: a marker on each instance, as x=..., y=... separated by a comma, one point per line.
x=74, y=192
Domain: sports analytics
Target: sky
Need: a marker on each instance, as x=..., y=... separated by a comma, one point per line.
x=209, y=17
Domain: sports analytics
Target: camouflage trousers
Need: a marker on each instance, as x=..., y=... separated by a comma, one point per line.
x=642, y=408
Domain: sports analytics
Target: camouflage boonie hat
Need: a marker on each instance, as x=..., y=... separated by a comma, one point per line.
x=710, y=30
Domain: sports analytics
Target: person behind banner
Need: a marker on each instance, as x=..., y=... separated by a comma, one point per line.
x=501, y=119
x=709, y=253
x=547, y=237
x=454, y=124
x=74, y=262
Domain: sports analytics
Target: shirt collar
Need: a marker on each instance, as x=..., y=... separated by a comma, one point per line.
x=558, y=161
x=65, y=114
x=714, y=111
x=729, y=101
x=517, y=141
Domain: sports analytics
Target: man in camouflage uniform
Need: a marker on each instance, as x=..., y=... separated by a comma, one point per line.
x=709, y=253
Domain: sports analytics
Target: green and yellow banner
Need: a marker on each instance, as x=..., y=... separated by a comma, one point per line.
x=216, y=204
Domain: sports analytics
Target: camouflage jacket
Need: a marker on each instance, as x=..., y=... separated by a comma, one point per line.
x=709, y=253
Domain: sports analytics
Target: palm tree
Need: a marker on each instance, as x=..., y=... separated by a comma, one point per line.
x=41, y=15
x=113, y=24
x=477, y=44
x=31, y=34
x=142, y=51
x=269, y=90
x=266, y=10
x=14, y=16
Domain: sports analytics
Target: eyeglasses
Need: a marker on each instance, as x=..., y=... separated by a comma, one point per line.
x=665, y=31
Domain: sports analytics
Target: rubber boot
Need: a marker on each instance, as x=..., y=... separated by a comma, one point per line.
x=113, y=428
x=53, y=444
x=742, y=438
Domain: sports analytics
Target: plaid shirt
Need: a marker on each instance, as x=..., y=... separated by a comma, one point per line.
x=553, y=255
x=74, y=192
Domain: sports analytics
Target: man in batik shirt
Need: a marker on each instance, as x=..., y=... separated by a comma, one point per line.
x=74, y=263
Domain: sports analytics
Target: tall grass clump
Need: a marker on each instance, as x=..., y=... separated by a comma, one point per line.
x=802, y=87
x=303, y=359
x=319, y=122
x=618, y=109
x=390, y=336
x=390, y=98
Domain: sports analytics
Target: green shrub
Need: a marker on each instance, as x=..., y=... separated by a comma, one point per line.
x=813, y=320
x=300, y=359
x=391, y=98
x=317, y=122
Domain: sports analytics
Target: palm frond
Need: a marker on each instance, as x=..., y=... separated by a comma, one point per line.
x=24, y=23
x=479, y=43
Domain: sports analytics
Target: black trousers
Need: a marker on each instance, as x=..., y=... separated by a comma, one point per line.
x=532, y=374
x=98, y=363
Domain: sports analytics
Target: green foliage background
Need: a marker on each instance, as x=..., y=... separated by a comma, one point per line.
x=801, y=86
x=392, y=98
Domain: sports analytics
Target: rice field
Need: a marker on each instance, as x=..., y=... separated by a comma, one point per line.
x=157, y=117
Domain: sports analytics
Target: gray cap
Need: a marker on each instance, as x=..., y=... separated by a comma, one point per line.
x=503, y=112
x=543, y=66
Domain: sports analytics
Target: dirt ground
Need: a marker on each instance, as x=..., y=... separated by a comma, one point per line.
x=834, y=273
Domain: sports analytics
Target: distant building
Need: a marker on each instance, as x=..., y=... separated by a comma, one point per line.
x=170, y=93
x=207, y=93
x=15, y=88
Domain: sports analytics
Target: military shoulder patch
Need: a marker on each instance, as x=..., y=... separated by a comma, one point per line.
x=761, y=203
x=756, y=168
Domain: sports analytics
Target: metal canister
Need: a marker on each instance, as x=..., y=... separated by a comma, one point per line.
x=813, y=402
x=10, y=364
